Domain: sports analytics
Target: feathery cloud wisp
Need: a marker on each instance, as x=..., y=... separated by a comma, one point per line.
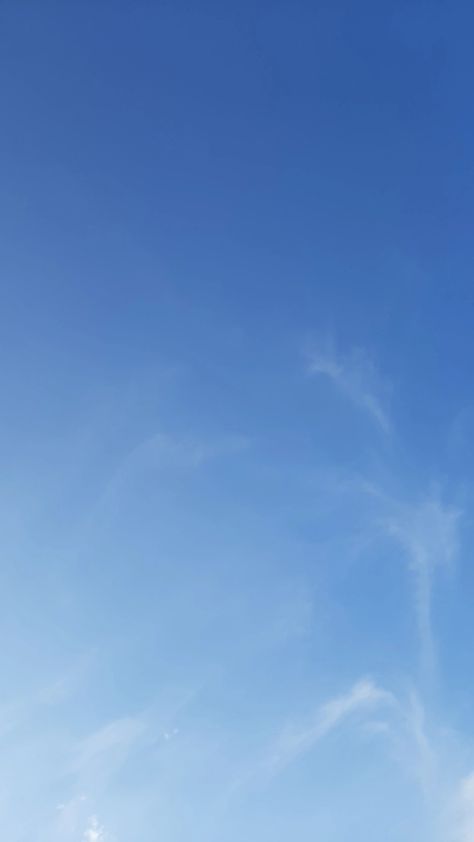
x=356, y=377
x=428, y=533
x=296, y=741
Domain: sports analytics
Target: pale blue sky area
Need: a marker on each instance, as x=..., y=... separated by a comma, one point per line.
x=237, y=414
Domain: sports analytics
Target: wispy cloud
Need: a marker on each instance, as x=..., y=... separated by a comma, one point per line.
x=298, y=739
x=424, y=531
x=413, y=745
x=428, y=534
x=117, y=736
x=186, y=452
x=356, y=377
x=96, y=759
x=167, y=455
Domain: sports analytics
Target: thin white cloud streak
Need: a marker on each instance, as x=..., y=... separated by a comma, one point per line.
x=183, y=452
x=426, y=530
x=430, y=758
x=297, y=740
x=164, y=454
x=356, y=377
x=428, y=534
x=425, y=763
x=412, y=745
x=115, y=739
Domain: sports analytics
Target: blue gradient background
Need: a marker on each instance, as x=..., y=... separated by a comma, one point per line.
x=236, y=494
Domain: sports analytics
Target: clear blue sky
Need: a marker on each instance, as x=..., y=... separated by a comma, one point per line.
x=236, y=278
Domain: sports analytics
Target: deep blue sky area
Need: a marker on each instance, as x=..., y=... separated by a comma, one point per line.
x=268, y=167
x=237, y=411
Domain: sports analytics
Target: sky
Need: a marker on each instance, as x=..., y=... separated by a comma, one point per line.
x=237, y=414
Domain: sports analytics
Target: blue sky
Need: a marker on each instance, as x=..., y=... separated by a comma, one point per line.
x=237, y=416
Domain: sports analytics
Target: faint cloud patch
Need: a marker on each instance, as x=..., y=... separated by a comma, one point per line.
x=70, y=818
x=186, y=452
x=461, y=818
x=355, y=376
x=297, y=739
x=415, y=748
x=95, y=832
x=428, y=532
x=168, y=455
x=107, y=749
